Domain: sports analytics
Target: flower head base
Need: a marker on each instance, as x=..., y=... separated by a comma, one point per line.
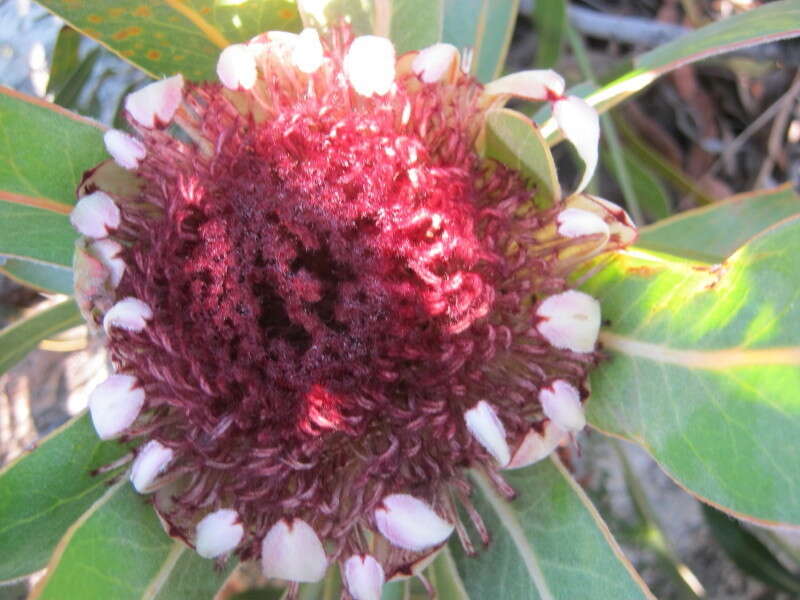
x=332, y=304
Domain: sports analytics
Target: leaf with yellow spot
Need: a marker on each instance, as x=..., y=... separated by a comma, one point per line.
x=703, y=370
x=163, y=38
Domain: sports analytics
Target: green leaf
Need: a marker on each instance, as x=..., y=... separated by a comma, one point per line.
x=486, y=27
x=645, y=185
x=65, y=58
x=44, y=491
x=118, y=550
x=659, y=165
x=272, y=593
x=767, y=23
x=45, y=278
x=44, y=151
x=550, y=18
x=702, y=370
x=416, y=23
x=444, y=577
x=163, y=38
x=324, y=13
x=714, y=232
x=21, y=337
x=513, y=139
x=70, y=93
x=396, y=590
x=549, y=543
x=410, y=24
x=648, y=188
x=36, y=234
x=749, y=553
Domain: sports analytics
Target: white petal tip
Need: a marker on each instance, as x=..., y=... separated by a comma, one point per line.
x=622, y=230
x=218, y=533
x=536, y=446
x=536, y=85
x=364, y=577
x=484, y=424
x=154, y=105
x=107, y=252
x=561, y=403
x=115, y=404
x=434, y=62
x=370, y=65
x=291, y=550
x=575, y=222
x=125, y=149
x=129, y=313
x=570, y=321
x=236, y=67
x=307, y=54
x=151, y=461
x=581, y=126
x=411, y=524
x=95, y=215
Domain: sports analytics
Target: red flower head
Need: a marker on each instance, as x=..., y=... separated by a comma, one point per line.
x=324, y=304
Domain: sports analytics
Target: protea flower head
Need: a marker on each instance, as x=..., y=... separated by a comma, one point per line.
x=324, y=304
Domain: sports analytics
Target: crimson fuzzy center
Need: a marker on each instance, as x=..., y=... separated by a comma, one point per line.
x=334, y=280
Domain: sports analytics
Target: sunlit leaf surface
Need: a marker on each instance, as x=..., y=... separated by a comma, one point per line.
x=702, y=370
x=714, y=232
x=163, y=38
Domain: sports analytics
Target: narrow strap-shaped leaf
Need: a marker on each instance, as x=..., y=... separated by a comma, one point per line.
x=550, y=19
x=66, y=58
x=118, y=549
x=550, y=542
x=45, y=278
x=36, y=234
x=748, y=552
x=648, y=187
x=21, y=337
x=714, y=232
x=44, y=150
x=767, y=23
x=163, y=38
x=485, y=26
x=702, y=370
x=44, y=491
